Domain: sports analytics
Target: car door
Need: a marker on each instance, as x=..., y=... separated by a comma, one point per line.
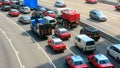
x=112, y=51
x=94, y=61
x=79, y=42
x=70, y=63
x=116, y=53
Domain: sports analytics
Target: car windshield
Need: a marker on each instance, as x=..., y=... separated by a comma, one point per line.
x=100, y=14
x=62, y=32
x=57, y=43
x=104, y=61
x=95, y=33
x=7, y=0
x=89, y=43
x=51, y=12
x=13, y=10
x=60, y=2
x=26, y=18
x=79, y=62
x=52, y=21
x=42, y=8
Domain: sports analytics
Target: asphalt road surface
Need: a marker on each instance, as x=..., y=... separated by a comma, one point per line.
x=8, y=58
x=30, y=52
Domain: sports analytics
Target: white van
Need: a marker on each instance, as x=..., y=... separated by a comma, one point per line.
x=85, y=43
x=50, y=20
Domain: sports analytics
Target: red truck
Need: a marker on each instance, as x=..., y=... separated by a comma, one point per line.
x=70, y=18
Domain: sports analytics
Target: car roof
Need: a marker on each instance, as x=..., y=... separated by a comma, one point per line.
x=91, y=29
x=117, y=46
x=14, y=10
x=62, y=29
x=76, y=58
x=57, y=40
x=101, y=57
x=48, y=17
x=26, y=16
x=85, y=37
x=95, y=11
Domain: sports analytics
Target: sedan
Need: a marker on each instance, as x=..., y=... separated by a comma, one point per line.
x=0, y=4
x=41, y=9
x=62, y=33
x=91, y=1
x=75, y=61
x=25, y=19
x=5, y=7
x=6, y=2
x=56, y=44
x=117, y=7
x=50, y=13
x=100, y=61
x=114, y=51
x=60, y=4
x=14, y=12
x=25, y=9
x=97, y=15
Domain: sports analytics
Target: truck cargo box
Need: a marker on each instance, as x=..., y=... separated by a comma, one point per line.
x=70, y=15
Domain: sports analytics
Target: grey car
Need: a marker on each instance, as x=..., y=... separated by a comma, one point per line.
x=60, y=4
x=25, y=19
x=97, y=15
x=25, y=9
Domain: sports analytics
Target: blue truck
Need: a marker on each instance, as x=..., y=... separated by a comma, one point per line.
x=40, y=27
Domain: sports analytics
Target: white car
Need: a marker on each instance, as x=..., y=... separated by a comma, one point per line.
x=60, y=4
x=114, y=51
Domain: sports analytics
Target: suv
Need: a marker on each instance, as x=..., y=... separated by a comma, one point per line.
x=97, y=15
x=91, y=32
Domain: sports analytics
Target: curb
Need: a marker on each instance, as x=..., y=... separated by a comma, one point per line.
x=107, y=2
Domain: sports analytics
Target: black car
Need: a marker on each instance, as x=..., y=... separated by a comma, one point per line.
x=91, y=32
x=97, y=15
x=41, y=9
x=5, y=7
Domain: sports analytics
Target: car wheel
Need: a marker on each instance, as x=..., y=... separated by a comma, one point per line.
x=118, y=59
x=108, y=52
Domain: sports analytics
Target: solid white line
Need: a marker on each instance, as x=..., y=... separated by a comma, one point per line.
x=16, y=52
x=32, y=39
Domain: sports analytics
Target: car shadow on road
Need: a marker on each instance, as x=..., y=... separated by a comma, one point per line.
x=91, y=20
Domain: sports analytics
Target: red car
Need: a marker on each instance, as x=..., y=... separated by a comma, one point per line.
x=56, y=44
x=0, y=4
x=6, y=2
x=91, y=1
x=100, y=61
x=50, y=13
x=75, y=62
x=117, y=7
x=62, y=33
x=14, y=12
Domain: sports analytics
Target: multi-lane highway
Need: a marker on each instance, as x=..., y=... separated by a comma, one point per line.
x=8, y=57
x=35, y=53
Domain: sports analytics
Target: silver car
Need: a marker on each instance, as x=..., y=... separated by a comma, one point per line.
x=25, y=9
x=60, y=4
x=24, y=19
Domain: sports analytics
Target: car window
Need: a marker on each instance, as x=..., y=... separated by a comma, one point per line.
x=117, y=50
x=89, y=43
x=104, y=61
x=52, y=21
x=93, y=13
x=76, y=38
x=95, y=59
x=59, y=42
x=79, y=62
x=79, y=40
x=62, y=32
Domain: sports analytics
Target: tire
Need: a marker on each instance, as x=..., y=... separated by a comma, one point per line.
x=108, y=52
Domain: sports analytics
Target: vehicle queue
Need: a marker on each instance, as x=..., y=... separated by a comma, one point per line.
x=99, y=60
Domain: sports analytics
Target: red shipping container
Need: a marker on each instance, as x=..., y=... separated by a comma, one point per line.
x=70, y=15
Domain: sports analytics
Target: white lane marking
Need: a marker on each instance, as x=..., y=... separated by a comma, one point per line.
x=70, y=51
x=16, y=52
x=32, y=39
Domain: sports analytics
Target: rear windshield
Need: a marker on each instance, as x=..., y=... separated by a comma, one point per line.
x=95, y=33
x=79, y=62
x=52, y=21
x=57, y=43
x=104, y=61
x=89, y=43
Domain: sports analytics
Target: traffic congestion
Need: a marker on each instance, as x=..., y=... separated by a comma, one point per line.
x=59, y=31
